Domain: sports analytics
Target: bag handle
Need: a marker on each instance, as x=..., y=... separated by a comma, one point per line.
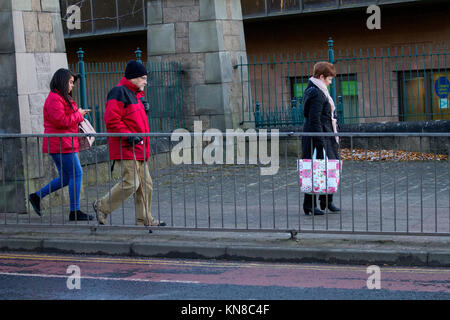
x=89, y=117
x=324, y=154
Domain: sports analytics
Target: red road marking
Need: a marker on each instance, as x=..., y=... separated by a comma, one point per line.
x=248, y=274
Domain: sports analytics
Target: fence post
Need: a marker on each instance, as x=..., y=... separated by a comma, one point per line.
x=340, y=111
x=300, y=110
x=82, y=75
x=331, y=60
x=138, y=55
x=258, y=119
x=294, y=111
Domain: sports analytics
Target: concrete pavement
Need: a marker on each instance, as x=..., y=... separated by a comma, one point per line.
x=274, y=247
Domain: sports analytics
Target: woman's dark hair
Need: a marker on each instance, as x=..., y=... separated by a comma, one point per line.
x=60, y=83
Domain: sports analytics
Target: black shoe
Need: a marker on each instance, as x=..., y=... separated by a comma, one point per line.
x=35, y=202
x=316, y=210
x=80, y=216
x=331, y=207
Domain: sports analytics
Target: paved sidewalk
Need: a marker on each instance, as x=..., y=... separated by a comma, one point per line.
x=374, y=197
x=251, y=246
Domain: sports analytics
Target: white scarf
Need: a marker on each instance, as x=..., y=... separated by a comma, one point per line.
x=319, y=83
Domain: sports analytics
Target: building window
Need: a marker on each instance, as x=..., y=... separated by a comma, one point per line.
x=253, y=7
x=131, y=13
x=357, y=2
x=106, y=16
x=299, y=88
x=347, y=88
x=318, y=4
x=283, y=5
x=424, y=95
x=260, y=8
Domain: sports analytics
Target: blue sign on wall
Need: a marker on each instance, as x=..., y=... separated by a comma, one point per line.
x=442, y=87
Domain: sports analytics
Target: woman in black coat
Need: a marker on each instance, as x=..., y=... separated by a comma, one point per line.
x=319, y=112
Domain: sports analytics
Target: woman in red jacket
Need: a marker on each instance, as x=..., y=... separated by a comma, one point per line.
x=61, y=115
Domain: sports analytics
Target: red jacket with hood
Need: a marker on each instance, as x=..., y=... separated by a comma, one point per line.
x=125, y=113
x=59, y=117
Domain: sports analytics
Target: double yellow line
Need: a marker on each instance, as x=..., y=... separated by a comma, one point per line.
x=218, y=264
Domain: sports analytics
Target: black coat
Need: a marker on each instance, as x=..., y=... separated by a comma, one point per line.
x=317, y=112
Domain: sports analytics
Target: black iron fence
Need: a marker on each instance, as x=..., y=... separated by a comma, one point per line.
x=407, y=83
x=390, y=183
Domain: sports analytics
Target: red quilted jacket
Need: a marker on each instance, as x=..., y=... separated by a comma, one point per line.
x=125, y=113
x=59, y=117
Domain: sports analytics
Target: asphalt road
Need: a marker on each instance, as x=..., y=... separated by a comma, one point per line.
x=45, y=276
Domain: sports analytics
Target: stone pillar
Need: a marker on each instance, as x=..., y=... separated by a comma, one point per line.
x=207, y=37
x=31, y=50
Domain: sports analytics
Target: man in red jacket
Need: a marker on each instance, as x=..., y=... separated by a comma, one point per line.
x=125, y=113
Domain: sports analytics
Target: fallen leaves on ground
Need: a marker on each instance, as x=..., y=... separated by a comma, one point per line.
x=388, y=155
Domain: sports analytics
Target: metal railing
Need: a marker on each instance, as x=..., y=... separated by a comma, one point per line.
x=164, y=90
x=372, y=85
x=394, y=184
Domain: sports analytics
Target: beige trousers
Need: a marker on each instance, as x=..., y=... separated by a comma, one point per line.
x=135, y=179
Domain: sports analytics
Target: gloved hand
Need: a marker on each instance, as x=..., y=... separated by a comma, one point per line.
x=146, y=105
x=133, y=140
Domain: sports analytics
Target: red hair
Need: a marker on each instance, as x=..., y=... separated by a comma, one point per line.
x=324, y=68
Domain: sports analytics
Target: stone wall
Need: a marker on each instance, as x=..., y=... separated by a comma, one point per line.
x=31, y=50
x=207, y=37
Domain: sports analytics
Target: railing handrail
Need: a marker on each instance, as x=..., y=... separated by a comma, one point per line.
x=280, y=134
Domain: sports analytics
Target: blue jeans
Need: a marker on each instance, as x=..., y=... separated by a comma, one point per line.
x=70, y=173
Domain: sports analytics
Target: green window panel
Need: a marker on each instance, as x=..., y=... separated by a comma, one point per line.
x=299, y=89
x=349, y=88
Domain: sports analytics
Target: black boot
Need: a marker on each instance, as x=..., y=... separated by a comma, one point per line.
x=80, y=216
x=35, y=202
x=315, y=211
x=331, y=207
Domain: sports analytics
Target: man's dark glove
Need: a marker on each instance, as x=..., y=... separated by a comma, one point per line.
x=133, y=140
x=146, y=105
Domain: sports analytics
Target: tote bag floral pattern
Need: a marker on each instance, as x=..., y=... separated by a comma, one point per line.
x=319, y=176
